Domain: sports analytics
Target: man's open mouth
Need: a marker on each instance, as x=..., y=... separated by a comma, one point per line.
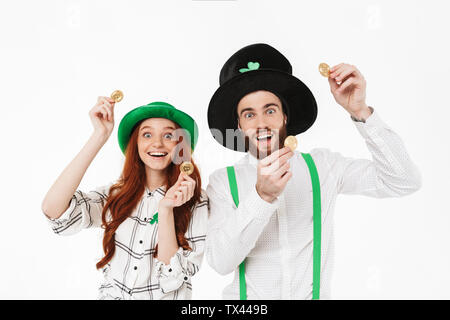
x=264, y=137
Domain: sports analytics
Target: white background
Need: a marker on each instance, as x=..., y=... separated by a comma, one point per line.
x=58, y=56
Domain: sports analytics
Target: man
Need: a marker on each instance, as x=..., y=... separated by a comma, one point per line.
x=262, y=224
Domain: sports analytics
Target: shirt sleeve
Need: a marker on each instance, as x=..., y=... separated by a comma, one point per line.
x=85, y=211
x=186, y=263
x=233, y=232
x=390, y=173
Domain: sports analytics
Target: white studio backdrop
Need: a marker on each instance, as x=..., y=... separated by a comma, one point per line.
x=58, y=56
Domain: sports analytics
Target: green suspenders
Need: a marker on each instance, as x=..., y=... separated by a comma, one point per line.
x=317, y=224
x=235, y=195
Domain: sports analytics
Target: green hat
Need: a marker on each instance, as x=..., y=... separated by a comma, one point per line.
x=155, y=110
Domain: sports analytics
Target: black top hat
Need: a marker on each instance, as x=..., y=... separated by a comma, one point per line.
x=260, y=67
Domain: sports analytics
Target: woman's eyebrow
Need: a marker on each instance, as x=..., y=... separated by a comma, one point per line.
x=150, y=127
x=146, y=127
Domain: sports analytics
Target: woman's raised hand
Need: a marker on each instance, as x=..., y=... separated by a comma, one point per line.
x=102, y=116
x=181, y=192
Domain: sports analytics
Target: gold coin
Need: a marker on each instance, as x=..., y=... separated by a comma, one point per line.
x=117, y=96
x=187, y=167
x=290, y=142
x=324, y=69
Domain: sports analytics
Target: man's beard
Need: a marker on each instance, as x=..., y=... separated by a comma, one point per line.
x=261, y=154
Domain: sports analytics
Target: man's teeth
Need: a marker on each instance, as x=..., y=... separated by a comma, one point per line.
x=266, y=136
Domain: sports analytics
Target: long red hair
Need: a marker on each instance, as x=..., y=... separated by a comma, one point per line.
x=126, y=193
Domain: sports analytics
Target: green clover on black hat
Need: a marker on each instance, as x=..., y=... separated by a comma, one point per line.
x=259, y=67
x=155, y=110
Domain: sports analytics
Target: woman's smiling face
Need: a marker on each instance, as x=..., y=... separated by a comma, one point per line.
x=157, y=142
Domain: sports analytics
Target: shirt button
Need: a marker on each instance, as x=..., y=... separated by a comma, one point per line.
x=140, y=241
x=170, y=270
x=135, y=268
x=185, y=278
x=145, y=219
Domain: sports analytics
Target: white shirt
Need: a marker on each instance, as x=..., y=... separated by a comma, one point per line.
x=133, y=272
x=276, y=238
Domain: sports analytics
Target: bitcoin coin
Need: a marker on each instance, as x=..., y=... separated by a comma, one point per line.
x=117, y=96
x=324, y=69
x=187, y=167
x=291, y=142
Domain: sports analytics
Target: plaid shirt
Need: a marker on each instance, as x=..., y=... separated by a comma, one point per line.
x=133, y=272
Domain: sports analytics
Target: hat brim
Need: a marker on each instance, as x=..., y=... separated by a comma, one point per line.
x=129, y=121
x=301, y=105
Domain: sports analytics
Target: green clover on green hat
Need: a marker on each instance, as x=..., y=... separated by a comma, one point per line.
x=156, y=110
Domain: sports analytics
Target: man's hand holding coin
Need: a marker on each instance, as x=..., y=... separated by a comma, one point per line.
x=273, y=174
x=348, y=87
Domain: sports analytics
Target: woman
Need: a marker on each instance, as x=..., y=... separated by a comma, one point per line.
x=154, y=216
